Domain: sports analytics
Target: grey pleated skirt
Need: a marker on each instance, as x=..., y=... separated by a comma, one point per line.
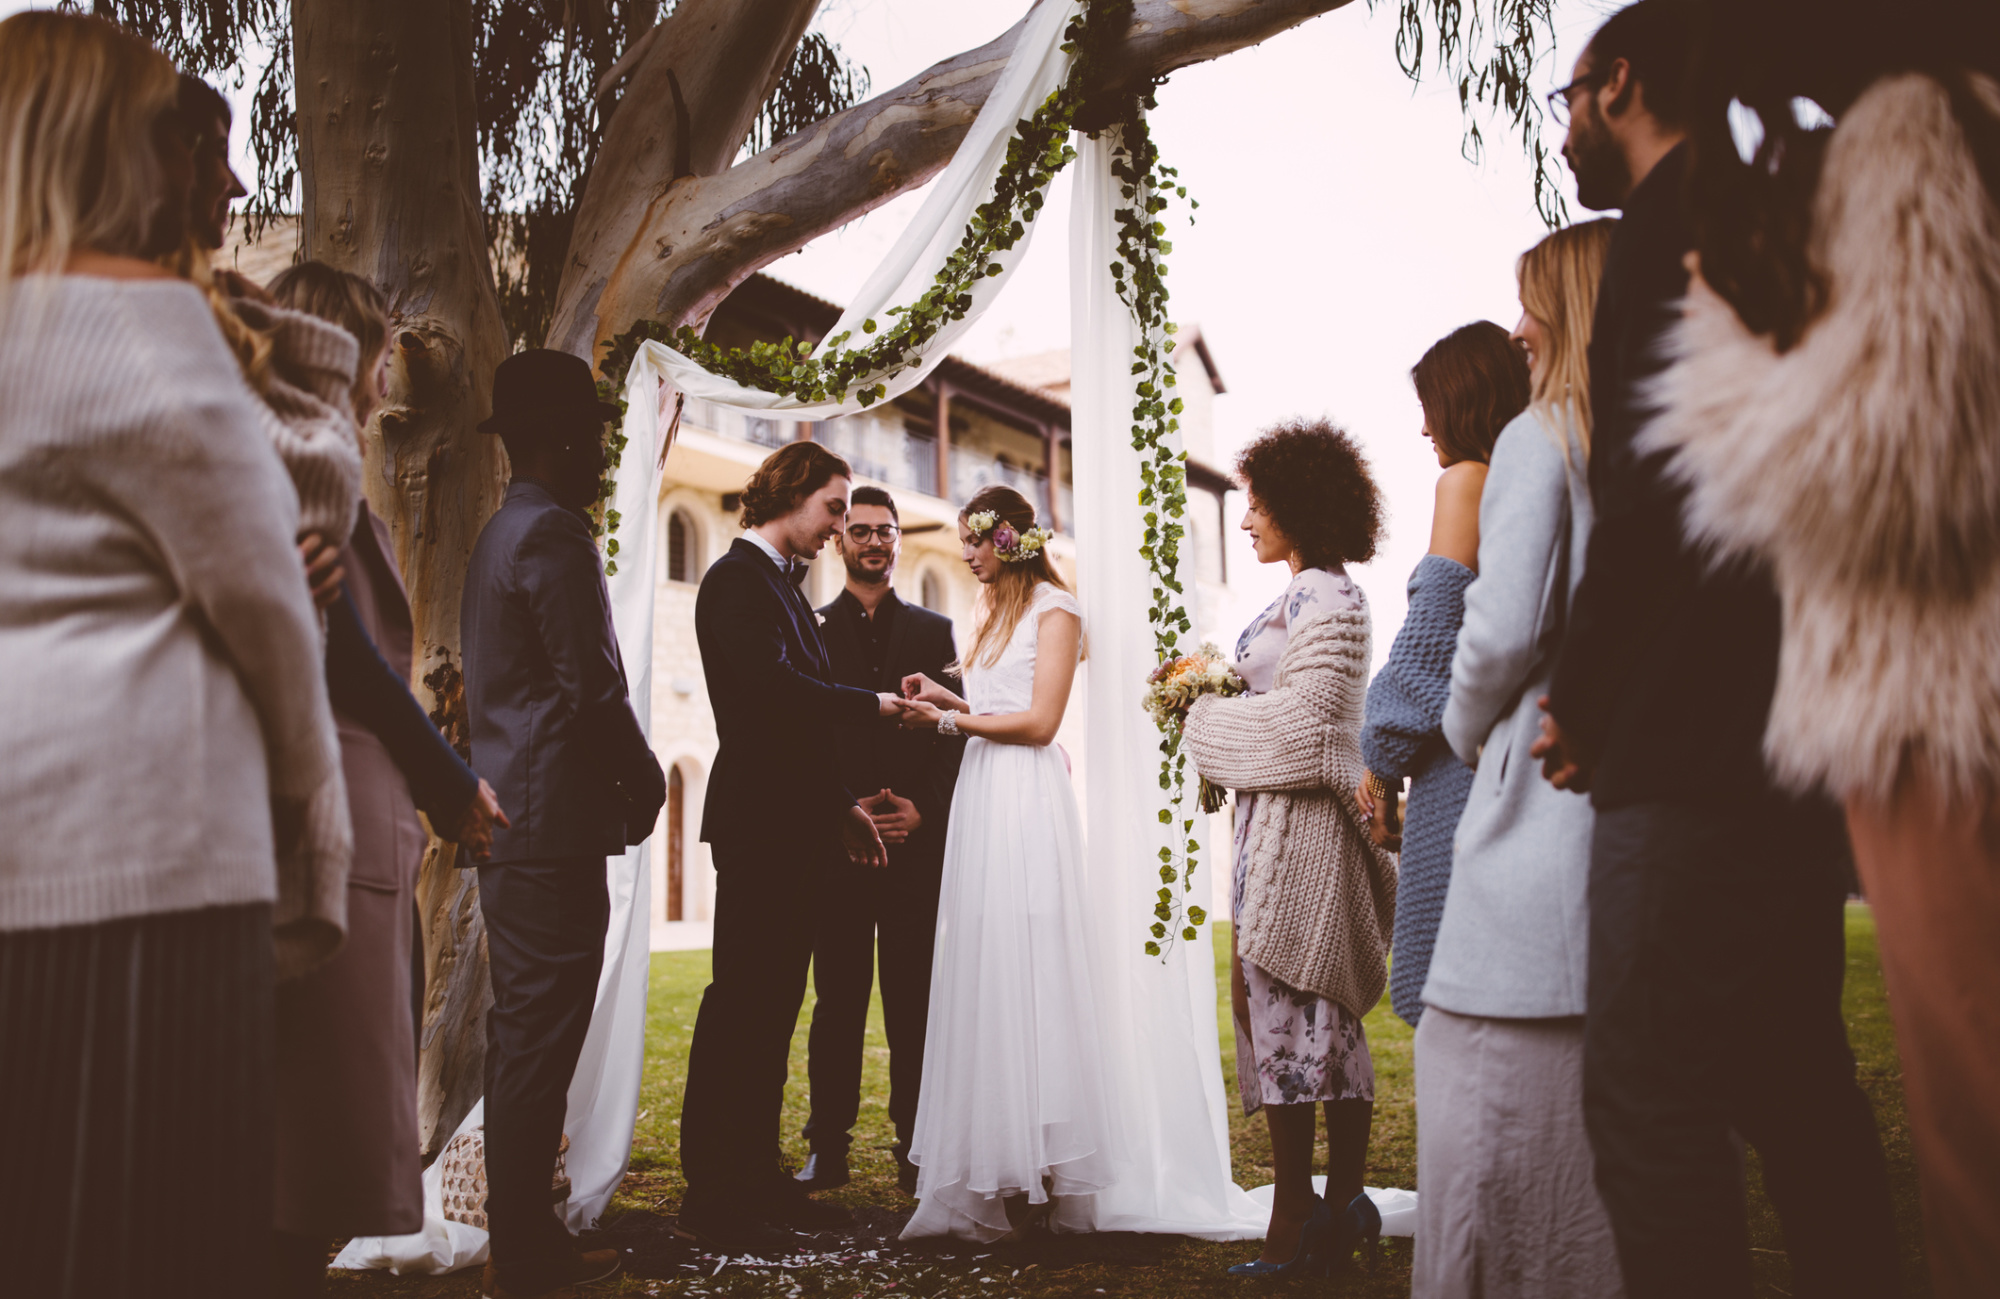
x=135, y=1106
x=1507, y=1201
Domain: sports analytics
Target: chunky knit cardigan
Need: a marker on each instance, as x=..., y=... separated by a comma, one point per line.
x=168, y=740
x=1318, y=898
x=1864, y=464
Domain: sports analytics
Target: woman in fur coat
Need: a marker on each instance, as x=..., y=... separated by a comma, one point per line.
x=1835, y=411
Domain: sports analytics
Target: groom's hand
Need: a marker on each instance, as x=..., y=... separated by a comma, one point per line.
x=896, y=818
x=887, y=705
x=859, y=836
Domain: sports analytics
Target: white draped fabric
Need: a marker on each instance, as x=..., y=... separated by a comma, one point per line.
x=1163, y=1062
x=1034, y=70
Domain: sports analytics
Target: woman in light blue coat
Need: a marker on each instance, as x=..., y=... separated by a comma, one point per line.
x=1509, y=1204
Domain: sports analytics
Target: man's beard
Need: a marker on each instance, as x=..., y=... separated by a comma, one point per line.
x=868, y=577
x=1603, y=180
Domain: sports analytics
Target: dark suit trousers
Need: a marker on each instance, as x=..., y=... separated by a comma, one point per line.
x=861, y=913
x=765, y=898
x=1717, y=951
x=545, y=923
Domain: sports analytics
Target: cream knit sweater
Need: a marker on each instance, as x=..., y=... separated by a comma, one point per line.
x=310, y=420
x=168, y=744
x=1319, y=900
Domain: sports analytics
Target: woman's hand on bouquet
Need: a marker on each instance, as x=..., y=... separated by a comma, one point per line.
x=474, y=832
x=323, y=570
x=919, y=687
x=920, y=716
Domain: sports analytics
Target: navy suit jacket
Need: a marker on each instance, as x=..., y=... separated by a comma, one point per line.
x=778, y=713
x=552, y=728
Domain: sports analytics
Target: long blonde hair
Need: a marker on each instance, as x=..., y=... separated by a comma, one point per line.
x=1004, y=601
x=79, y=97
x=1558, y=280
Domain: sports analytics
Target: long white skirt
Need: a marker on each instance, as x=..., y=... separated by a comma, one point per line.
x=1013, y=1086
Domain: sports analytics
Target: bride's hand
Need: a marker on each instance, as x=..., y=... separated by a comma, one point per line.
x=920, y=687
x=919, y=715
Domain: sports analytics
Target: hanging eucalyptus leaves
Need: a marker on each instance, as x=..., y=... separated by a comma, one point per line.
x=839, y=368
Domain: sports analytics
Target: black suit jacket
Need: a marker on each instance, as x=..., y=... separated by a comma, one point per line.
x=1668, y=666
x=921, y=766
x=552, y=728
x=778, y=714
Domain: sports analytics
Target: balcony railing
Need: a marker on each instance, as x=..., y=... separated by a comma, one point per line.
x=888, y=451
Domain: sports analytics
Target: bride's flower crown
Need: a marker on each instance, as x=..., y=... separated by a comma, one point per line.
x=1013, y=547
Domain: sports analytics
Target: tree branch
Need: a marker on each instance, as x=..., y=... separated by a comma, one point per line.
x=697, y=238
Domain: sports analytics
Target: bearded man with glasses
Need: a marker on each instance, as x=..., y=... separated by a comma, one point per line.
x=904, y=780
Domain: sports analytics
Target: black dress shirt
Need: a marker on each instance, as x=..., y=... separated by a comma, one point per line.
x=876, y=654
x=1668, y=664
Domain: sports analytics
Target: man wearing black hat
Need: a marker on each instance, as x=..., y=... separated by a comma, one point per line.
x=552, y=728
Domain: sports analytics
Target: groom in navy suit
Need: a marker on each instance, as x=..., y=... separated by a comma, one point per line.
x=777, y=816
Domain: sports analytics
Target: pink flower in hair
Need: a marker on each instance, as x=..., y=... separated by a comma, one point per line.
x=1004, y=537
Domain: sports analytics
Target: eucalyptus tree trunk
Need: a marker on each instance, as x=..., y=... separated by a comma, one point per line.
x=388, y=162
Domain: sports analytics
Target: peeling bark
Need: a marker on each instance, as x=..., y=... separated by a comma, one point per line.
x=391, y=192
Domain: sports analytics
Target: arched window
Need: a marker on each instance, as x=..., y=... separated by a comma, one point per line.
x=683, y=563
x=676, y=839
x=931, y=593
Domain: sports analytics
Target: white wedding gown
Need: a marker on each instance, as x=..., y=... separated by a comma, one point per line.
x=1014, y=1084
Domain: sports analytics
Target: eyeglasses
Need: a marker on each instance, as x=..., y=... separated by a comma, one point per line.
x=860, y=533
x=1559, y=97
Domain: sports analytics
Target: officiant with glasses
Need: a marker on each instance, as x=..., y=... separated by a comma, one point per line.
x=867, y=918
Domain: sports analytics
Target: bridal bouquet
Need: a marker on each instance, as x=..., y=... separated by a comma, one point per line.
x=1174, y=686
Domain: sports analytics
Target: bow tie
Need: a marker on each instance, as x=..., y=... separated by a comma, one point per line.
x=795, y=573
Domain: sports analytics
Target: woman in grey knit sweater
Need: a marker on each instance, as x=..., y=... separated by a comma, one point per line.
x=1471, y=382
x=170, y=752
x=1312, y=897
x=1509, y=1205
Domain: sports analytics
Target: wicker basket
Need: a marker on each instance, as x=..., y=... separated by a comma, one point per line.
x=464, y=1178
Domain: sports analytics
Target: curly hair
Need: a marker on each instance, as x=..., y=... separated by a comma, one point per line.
x=787, y=476
x=1311, y=478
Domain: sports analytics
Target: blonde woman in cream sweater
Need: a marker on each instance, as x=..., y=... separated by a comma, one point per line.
x=169, y=748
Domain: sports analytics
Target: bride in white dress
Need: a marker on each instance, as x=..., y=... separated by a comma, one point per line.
x=1012, y=1128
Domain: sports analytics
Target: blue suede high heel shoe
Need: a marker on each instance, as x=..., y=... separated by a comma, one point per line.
x=1311, y=1258
x=1360, y=1221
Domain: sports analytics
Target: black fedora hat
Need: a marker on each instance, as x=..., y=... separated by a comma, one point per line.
x=544, y=390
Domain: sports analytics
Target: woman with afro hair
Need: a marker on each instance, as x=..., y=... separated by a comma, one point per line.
x=1313, y=898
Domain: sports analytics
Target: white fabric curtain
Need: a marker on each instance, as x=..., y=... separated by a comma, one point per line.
x=1034, y=70
x=1157, y=1015
x=604, y=1095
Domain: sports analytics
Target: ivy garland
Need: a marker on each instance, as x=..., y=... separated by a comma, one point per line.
x=834, y=371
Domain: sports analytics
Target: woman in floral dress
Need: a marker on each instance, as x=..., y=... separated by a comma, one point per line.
x=1313, y=898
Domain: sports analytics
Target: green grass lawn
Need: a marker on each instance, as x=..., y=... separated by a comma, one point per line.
x=1181, y=1268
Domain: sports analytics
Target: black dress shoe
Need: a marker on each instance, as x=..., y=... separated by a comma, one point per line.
x=721, y=1231
x=823, y=1172
x=792, y=1207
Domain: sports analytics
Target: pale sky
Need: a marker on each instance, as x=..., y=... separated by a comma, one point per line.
x=1340, y=234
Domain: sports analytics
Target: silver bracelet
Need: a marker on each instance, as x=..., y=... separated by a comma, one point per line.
x=948, y=722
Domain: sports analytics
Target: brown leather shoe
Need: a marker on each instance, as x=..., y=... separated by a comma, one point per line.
x=551, y=1277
